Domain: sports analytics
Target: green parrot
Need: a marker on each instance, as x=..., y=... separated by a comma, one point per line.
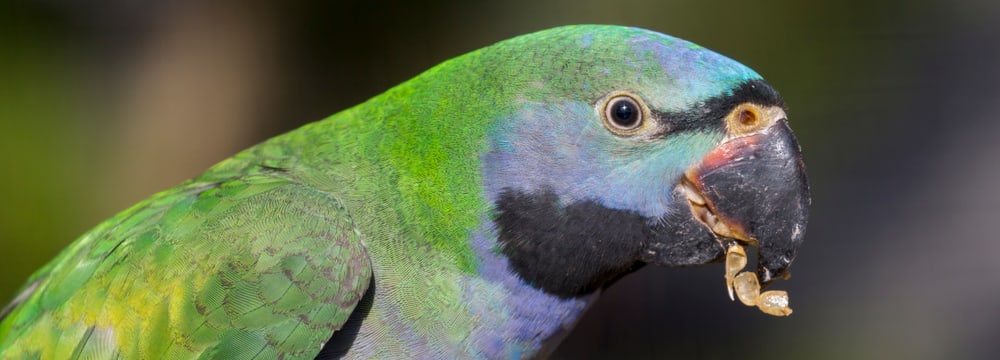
x=474, y=211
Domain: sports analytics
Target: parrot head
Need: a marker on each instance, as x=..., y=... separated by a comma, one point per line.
x=622, y=147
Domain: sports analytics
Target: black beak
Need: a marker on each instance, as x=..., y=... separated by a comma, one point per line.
x=756, y=186
x=750, y=189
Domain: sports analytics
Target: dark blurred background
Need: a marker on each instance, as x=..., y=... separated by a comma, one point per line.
x=896, y=105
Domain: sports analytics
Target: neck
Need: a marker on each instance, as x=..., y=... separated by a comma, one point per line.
x=541, y=265
x=568, y=251
x=516, y=319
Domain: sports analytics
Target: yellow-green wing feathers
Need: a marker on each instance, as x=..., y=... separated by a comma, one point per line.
x=252, y=267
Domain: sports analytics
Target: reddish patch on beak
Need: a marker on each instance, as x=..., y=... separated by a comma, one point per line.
x=753, y=188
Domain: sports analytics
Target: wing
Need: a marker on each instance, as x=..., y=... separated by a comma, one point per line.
x=255, y=267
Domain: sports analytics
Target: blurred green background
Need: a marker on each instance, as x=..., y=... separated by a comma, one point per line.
x=895, y=103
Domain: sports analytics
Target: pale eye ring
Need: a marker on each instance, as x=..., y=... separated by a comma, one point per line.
x=623, y=113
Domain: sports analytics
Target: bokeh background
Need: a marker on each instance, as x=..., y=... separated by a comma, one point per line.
x=896, y=104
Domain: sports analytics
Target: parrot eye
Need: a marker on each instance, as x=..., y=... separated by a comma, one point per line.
x=623, y=113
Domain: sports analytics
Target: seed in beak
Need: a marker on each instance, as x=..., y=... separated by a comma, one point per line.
x=774, y=302
x=747, y=286
x=736, y=260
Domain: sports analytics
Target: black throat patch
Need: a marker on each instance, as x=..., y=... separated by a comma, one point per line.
x=571, y=250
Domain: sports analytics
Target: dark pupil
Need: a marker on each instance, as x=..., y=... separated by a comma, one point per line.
x=625, y=113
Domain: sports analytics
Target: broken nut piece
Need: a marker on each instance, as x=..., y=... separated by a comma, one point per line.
x=774, y=302
x=736, y=260
x=747, y=286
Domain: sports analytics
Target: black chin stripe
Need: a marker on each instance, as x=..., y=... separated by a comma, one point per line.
x=710, y=113
x=567, y=251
